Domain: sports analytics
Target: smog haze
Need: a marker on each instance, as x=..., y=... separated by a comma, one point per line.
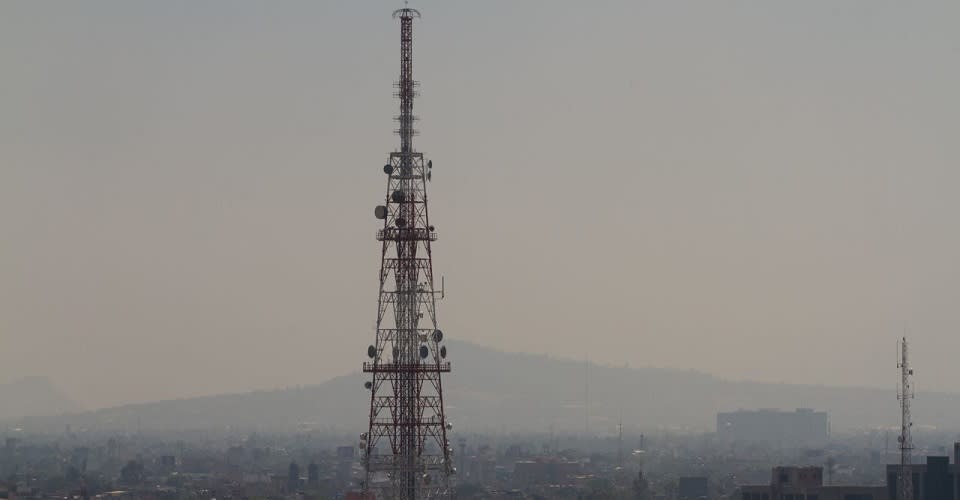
x=757, y=190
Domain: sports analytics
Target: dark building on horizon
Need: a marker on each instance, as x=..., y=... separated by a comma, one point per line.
x=293, y=477
x=693, y=488
x=313, y=475
x=806, y=483
x=803, y=427
x=937, y=479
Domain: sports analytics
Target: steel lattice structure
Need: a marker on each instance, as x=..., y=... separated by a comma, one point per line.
x=406, y=454
x=906, y=441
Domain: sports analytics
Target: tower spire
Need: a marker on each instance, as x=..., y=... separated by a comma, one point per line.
x=406, y=85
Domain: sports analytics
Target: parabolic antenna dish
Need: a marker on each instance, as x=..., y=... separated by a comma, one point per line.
x=380, y=212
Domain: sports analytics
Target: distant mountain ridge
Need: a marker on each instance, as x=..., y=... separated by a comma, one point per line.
x=490, y=390
x=33, y=396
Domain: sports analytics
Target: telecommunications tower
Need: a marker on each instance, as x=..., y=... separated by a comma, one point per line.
x=906, y=442
x=406, y=454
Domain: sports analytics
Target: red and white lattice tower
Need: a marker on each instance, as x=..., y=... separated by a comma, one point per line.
x=406, y=454
x=905, y=394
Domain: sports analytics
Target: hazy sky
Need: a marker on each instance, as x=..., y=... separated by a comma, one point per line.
x=760, y=190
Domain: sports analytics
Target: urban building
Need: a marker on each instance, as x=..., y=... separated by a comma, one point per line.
x=806, y=483
x=804, y=427
x=545, y=471
x=937, y=479
x=692, y=488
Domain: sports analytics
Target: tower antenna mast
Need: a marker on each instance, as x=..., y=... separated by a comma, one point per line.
x=406, y=453
x=905, y=395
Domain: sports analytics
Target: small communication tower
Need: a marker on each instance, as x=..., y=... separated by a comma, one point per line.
x=905, y=395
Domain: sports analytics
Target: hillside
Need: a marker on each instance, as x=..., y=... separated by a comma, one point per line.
x=492, y=390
